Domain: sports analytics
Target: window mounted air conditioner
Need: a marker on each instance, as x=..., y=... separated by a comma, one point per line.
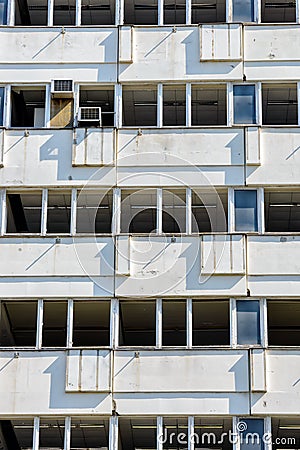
x=89, y=114
x=62, y=88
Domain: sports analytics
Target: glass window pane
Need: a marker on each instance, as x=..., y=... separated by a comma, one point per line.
x=1, y=105
x=243, y=10
x=3, y=12
x=248, y=322
x=245, y=210
x=244, y=104
x=253, y=434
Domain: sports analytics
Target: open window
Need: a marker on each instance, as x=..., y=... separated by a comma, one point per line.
x=138, y=211
x=282, y=211
x=248, y=322
x=18, y=323
x=174, y=211
x=287, y=432
x=96, y=106
x=137, y=323
x=55, y=324
x=91, y=323
x=89, y=433
x=59, y=212
x=94, y=12
x=94, y=212
x=16, y=434
x=174, y=12
x=211, y=11
x=139, y=106
x=28, y=106
x=209, y=105
x=244, y=104
x=175, y=433
x=51, y=434
x=280, y=104
x=24, y=212
x=246, y=212
x=137, y=433
x=278, y=11
x=174, y=323
x=64, y=12
x=284, y=323
x=174, y=105
x=209, y=211
x=140, y=12
x=211, y=324
x=31, y=12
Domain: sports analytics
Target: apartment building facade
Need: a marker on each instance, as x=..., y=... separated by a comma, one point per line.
x=149, y=224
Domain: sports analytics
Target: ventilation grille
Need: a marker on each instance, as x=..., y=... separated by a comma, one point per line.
x=89, y=114
x=63, y=85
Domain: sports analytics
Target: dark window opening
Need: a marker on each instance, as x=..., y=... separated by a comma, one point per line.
x=174, y=211
x=284, y=323
x=89, y=434
x=245, y=210
x=248, y=322
x=137, y=433
x=16, y=434
x=174, y=105
x=18, y=324
x=219, y=428
x=211, y=11
x=209, y=105
x=52, y=434
x=94, y=212
x=55, y=324
x=280, y=105
x=137, y=323
x=278, y=11
x=174, y=12
x=64, y=12
x=174, y=323
x=24, y=213
x=282, y=211
x=209, y=212
x=211, y=323
x=94, y=12
x=28, y=107
x=91, y=324
x=97, y=98
x=31, y=12
x=287, y=432
x=138, y=211
x=139, y=106
x=175, y=431
x=58, y=212
x=140, y=12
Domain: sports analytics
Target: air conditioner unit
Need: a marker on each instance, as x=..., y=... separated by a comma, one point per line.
x=62, y=88
x=89, y=114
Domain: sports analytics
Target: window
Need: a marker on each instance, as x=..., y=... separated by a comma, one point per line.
x=284, y=322
x=64, y=12
x=30, y=13
x=94, y=212
x=58, y=212
x=211, y=11
x=27, y=107
x=211, y=323
x=55, y=324
x=248, y=322
x=209, y=105
x=24, y=212
x=255, y=428
x=52, y=434
x=244, y=108
x=279, y=11
x=89, y=434
x=140, y=12
x=243, y=10
x=18, y=323
x=209, y=211
x=174, y=323
x=245, y=210
x=103, y=98
x=137, y=433
x=174, y=12
x=138, y=211
x=137, y=323
x=1, y=105
x=139, y=106
x=3, y=12
x=16, y=434
x=174, y=105
x=91, y=323
x=94, y=12
x=280, y=105
x=174, y=211
x=282, y=211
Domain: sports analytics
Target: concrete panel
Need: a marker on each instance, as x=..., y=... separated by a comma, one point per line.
x=184, y=404
x=44, y=158
x=181, y=147
x=199, y=371
x=88, y=371
x=253, y=146
x=34, y=383
x=272, y=70
x=44, y=45
x=223, y=255
x=45, y=257
x=123, y=256
x=280, y=158
x=221, y=42
x=258, y=370
x=283, y=393
x=179, y=49
x=93, y=147
x=274, y=286
x=126, y=44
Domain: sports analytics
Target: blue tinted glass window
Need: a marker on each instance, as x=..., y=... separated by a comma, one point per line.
x=243, y=10
x=3, y=12
x=251, y=438
x=1, y=105
x=245, y=210
x=244, y=104
x=248, y=322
